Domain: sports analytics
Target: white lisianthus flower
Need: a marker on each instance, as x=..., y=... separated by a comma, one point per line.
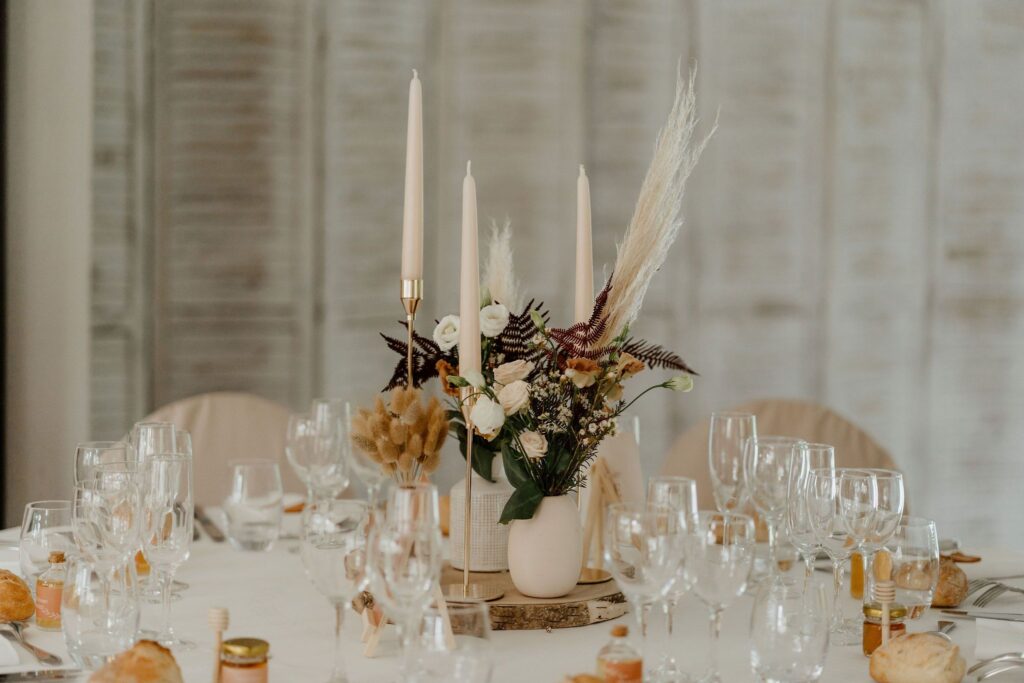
x=535, y=445
x=475, y=379
x=506, y=373
x=493, y=319
x=514, y=397
x=488, y=417
x=446, y=334
x=680, y=383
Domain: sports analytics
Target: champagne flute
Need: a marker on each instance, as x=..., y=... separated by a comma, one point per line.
x=831, y=533
x=313, y=446
x=92, y=453
x=154, y=438
x=815, y=456
x=891, y=501
x=789, y=631
x=366, y=470
x=719, y=559
x=767, y=467
x=727, y=440
x=679, y=494
x=169, y=512
x=334, y=555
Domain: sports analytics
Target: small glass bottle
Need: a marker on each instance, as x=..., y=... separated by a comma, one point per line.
x=244, y=660
x=873, y=624
x=49, y=590
x=618, y=661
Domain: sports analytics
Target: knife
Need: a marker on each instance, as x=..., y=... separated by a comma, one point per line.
x=211, y=529
x=971, y=614
x=43, y=675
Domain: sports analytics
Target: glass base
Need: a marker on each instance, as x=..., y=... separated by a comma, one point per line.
x=847, y=632
x=169, y=640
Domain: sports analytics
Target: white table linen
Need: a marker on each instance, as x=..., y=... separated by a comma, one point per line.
x=269, y=597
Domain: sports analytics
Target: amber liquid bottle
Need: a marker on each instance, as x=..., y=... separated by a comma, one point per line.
x=49, y=591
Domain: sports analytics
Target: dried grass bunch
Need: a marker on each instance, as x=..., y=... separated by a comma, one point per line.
x=403, y=435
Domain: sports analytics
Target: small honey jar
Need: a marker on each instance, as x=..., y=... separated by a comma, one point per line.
x=873, y=624
x=244, y=660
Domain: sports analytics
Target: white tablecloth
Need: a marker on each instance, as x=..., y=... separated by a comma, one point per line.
x=269, y=597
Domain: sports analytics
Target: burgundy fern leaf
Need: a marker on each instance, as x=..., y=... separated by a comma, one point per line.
x=656, y=356
x=577, y=340
x=425, y=355
x=514, y=341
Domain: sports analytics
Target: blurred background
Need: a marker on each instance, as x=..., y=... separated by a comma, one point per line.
x=207, y=194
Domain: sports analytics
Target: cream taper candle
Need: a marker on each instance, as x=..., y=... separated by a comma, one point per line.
x=469, y=286
x=584, y=251
x=412, y=221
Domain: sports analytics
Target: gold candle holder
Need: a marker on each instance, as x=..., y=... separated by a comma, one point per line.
x=412, y=295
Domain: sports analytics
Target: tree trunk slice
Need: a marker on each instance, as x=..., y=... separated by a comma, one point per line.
x=589, y=604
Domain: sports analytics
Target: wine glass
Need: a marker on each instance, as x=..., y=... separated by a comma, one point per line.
x=45, y=527
x=727, y=441
x=334, y=555
x=679, y=494
x=154, y=438
x=823, y=512
x=254, y=508
x=471, y=658
x=644, y=549
x=915, y=563
x=167, y=533
x=92, y=453
x=815, y=456
x=789, y=631
x=719, y=558
x=767, y=467
x=891, y=500
x=314, y=446
x=366, y=470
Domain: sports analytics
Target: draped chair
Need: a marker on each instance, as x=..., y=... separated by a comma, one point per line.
x=787, y=417
x=226, y=426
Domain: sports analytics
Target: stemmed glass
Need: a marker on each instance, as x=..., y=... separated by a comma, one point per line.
x=823, y=512
x=403, y=558
x=92, y=453
x=889, y=512
x=767, y=467
x=45, y=527
x=815, y=456
x=915, y=563
x=470, y=661
x=167, y=533
x=719, y=558
x=789, y=631
x=679, y=494
x=154, y=438
x=727, y=441
x=366, y=470
x=644, y=550
x=334, y=555
x=315, y=447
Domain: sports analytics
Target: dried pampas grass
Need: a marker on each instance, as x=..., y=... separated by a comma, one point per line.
x=499, y=276
x=657, y=217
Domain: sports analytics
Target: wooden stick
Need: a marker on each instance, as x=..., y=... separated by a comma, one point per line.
x=217, y=617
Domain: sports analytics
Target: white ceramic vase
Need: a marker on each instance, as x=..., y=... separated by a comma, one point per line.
x=488, y=537
x=544, y=552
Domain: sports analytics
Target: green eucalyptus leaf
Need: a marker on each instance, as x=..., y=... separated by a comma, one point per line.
x=523, y=503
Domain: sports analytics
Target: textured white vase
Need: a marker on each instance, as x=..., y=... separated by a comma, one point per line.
x=544, y=552
x=488, y=537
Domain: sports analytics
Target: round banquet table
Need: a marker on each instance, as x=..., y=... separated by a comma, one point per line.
x=269, y=597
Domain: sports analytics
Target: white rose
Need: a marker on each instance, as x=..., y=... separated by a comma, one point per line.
x=446, y=334
x=487, y=417
x=506, y=373
x=493, y=319
x=514, y=397
x=535, y=445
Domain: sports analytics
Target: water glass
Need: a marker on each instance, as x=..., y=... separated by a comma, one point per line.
x=469, y=661
x=99, y=615
x=789, y=631
x=334, y=556
x=719, y=557
x=254, y=508
x=727, y=441
x=915, y=563
x=92, y=453
x=45, y=527
x=107, y=517
x=769, y=462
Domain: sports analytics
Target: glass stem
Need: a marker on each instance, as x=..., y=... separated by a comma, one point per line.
x=715, y=623
x=837, y=585
x=338, y=673
x=869, y=575
x=166, y=579
x=773, y=564
x=808, y=566
x=670, y=609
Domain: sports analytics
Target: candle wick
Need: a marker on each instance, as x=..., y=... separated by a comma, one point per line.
x=469, y=170
x=415, y=74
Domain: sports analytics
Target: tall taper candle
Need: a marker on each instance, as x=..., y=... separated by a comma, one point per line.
x=412, y=221
x=584, y=250
x=469, y=286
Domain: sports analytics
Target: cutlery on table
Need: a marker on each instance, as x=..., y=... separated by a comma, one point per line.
x=17, y=636
x=994, y=592
x=974, y=614
x=211, y=529
x=43, y=675
x=945, y=628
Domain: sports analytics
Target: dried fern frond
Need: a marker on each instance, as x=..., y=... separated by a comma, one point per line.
x=657, y=217
x=499, y=276
x=656, y=356
x=579, y=340
x=514, y=341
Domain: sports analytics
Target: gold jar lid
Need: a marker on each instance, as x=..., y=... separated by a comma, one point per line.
x=874, y=610
x=245, y=647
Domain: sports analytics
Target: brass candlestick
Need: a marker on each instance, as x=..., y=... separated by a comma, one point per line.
x=412, y=295
x=466, y=591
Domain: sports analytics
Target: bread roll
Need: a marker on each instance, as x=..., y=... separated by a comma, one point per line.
x=952, y=588
x=15, y=598
x=918, y=658
x=147, y=662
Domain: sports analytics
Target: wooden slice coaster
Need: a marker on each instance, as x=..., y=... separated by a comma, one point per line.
x=592, y=575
